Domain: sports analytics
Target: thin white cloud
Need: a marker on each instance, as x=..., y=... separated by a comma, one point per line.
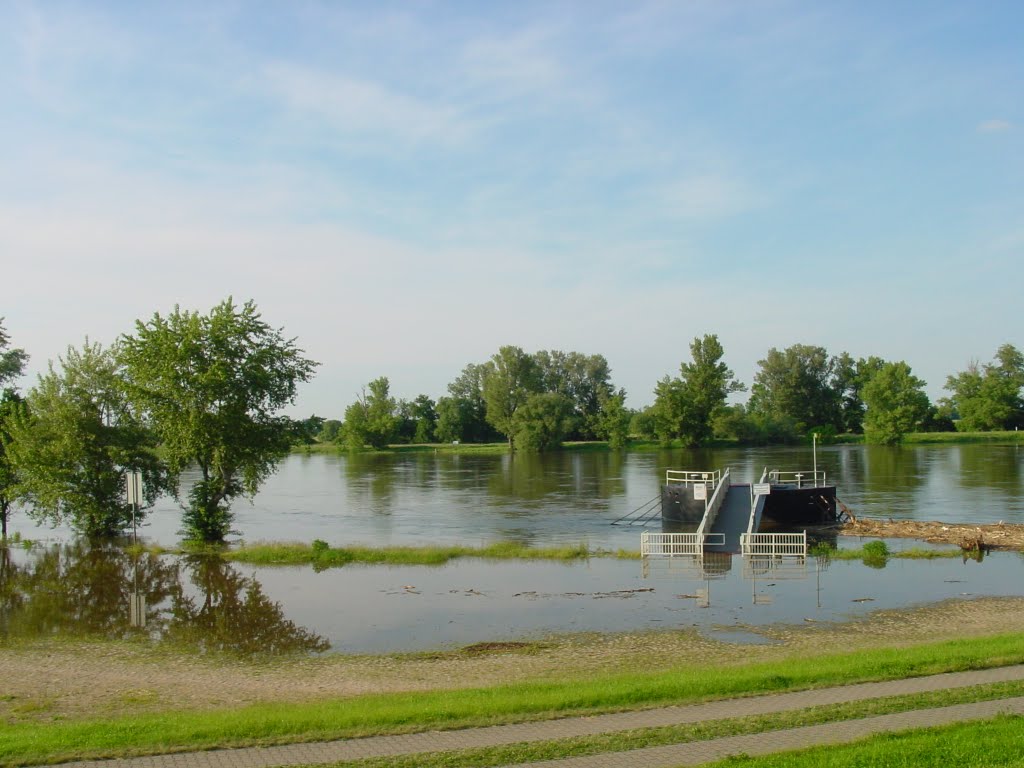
x=357, y=106
x=707, y=197
x=994, y=126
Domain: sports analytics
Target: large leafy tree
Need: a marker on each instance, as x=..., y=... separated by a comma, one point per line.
x=510, y=377
x=212, y=387
x=990, y=397
x=462, y=413
x=613, y=419
x=542, y=422
x=797, y=384
x=584, y=380
x=12, y=365
x=686, y=406
x=74, y=443
x=373, y=418
x=896, y=404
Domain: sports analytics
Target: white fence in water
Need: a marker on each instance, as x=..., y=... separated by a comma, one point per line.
x=773, y=544
x=676, y=544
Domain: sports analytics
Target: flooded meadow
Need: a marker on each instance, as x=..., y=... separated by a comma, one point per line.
x=60, y=586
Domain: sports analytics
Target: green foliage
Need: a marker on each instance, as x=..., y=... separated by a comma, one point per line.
x=896, y=404
x=462, y=415
x=990, y=397
x=321, y=555
x=613, y=419
x=211, y=386
x=373, y=418
x=798, y=385
x=510, y=377
x=542, y=422
x=417, y=420
x=12, y=361
x=330, y=431
x=12, y=364
x=73, y=444
x=685, y=407
x=11, y=407
x=584, y=380
x=876, y=554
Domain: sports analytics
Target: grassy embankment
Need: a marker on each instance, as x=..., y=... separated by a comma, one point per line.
x=993, y=742
x=622, y=741
x=41, y=742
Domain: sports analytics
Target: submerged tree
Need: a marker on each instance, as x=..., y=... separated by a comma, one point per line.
x=686, y=406
x=896, y=404
x=76, y=440
x=212, y=387
x=796, y=384
x=12, y=365
x=510, y=377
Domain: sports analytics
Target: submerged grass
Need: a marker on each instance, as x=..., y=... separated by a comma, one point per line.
x=35, y=743
x=321, y=555
x=622, y=741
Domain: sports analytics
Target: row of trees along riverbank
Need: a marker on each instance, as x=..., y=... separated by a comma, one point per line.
x=184, y=390
x=536, y=401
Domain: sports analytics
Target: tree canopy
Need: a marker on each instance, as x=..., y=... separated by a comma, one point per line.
x=211, y=387
x=990, y=397
x=12, y=365
x=896, y=404
x=685, y=407
x=74, y=442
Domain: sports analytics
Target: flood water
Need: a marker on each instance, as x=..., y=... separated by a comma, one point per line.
x=62, y=587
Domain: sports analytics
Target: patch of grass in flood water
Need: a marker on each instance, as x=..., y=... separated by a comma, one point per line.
x=877, y=553
x=268, y=723
x=320, y=554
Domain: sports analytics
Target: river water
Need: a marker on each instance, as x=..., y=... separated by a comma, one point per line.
x=62, y=586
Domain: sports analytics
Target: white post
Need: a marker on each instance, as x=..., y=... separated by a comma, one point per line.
x=814, y=450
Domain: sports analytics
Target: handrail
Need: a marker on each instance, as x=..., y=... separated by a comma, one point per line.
x=753, y=501
x=805, y=479
x=714, y=503
x=692, y=477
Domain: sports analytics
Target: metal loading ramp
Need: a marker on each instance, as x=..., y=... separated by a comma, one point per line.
x=731, y=524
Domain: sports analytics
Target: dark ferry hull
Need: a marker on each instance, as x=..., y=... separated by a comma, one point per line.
x=790, y=505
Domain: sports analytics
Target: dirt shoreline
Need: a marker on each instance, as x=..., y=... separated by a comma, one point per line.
x=67, y=679
x=968, y=537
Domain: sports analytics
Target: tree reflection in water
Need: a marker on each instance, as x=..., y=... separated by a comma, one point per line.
x=86, y=590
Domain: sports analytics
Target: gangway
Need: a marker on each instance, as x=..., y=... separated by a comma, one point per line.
x=731, y=521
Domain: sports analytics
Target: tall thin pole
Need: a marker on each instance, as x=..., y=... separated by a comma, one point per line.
x=814, y=450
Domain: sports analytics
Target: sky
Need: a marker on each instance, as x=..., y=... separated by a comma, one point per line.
x=405, y=187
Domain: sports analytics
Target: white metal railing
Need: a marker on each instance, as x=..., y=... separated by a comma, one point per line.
x=809, y=479
x=688, y=477
x=714, y=504
x=774, y=544
x=755, y=497
x=676, y=544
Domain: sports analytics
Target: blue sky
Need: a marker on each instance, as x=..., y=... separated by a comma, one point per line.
x=405, y=187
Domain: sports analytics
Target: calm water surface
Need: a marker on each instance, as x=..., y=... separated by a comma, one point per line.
x=63, y=587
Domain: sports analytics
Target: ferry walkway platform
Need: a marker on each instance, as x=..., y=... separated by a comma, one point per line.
x=688, y=753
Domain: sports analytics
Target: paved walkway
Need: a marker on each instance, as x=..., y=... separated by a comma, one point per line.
x=691, y=753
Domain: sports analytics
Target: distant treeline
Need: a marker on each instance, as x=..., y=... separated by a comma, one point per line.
x=537, y=401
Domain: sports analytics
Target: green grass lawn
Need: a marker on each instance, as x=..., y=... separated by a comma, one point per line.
x=995, y=742
x=41, y=742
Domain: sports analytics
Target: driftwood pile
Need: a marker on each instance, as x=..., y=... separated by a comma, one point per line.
x=970, y=538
